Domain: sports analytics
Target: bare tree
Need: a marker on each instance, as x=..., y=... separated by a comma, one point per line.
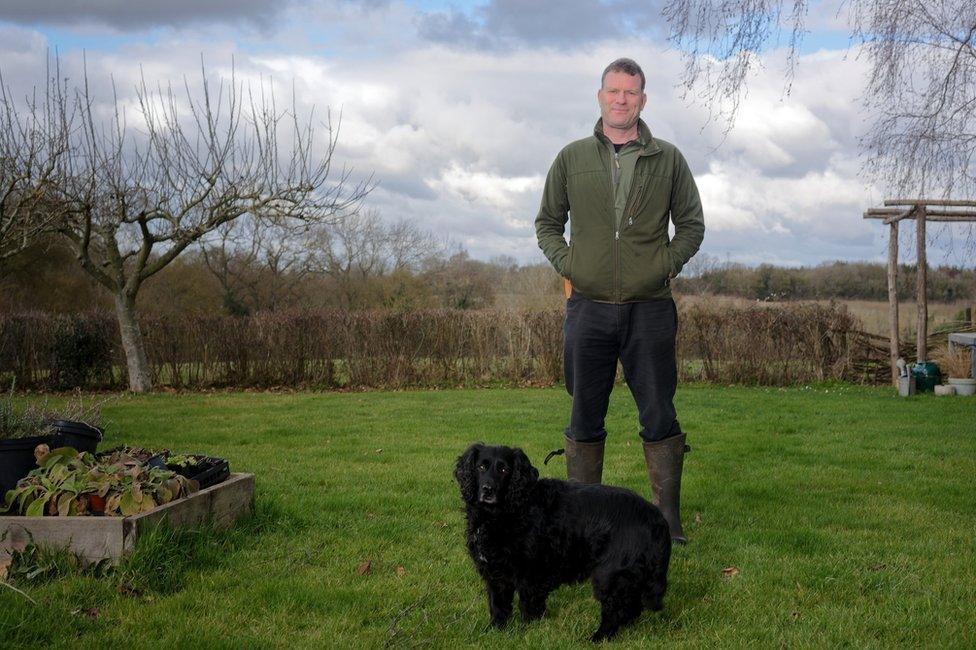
x=133, y=199
x=922, y=90
x=362, y=247
x=409, y=246
x=720, y=40
x=260, y=264
x=33, y=140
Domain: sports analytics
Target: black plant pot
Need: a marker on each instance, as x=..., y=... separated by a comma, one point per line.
x=79, y=435
x=206, y=471
x=17, y=460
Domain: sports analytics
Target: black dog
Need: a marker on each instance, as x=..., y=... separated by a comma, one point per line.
x=530, y=535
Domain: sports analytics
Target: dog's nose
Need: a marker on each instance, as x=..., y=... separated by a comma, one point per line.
x=487, y=489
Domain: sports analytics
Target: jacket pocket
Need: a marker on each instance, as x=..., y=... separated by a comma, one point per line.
x=568, y=269
x=662, y=278
x=645, y=269
x=668, y=265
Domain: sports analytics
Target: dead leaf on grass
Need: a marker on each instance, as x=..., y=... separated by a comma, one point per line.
x=370, y=515
x=126, y=589
x=441, y=524
x=730, y=571
x=365, y=568
x=795, y=615
x=88, y=612
x=4, y=567
x=697, y=517
x=401, y=571
x=878, y=567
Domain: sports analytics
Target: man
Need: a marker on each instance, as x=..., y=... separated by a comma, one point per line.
x=620, y=186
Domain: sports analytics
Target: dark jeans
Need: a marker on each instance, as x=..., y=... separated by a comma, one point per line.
x=642, y=335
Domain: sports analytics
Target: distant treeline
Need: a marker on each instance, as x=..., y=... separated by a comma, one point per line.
x=842, y=280
x=47, y=278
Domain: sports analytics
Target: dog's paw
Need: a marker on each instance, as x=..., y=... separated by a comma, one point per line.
x=497, y=623
x=602, y=635
x=533, y=614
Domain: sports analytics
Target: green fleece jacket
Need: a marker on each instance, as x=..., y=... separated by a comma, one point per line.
x=637, y=260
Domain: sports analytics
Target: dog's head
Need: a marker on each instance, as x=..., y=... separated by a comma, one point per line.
x=494, y=477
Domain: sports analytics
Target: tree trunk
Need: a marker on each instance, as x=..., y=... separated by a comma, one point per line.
x=140, y=379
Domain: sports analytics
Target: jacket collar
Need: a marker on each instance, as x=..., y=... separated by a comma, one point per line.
x=648, y=143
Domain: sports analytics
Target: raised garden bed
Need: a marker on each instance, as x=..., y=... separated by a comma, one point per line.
x=94, y=539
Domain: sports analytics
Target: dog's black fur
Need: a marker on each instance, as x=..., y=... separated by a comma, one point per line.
x=530, y=535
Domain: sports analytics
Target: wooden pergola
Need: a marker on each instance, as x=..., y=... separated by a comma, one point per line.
x=922, y=211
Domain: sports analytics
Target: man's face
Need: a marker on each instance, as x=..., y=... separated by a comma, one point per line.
x=621, y=100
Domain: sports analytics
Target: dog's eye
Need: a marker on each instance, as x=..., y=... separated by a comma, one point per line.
x=503, y=470
x=483, y=467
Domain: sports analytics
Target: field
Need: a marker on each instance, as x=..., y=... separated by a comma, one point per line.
x=819, y=516
x=873, y=314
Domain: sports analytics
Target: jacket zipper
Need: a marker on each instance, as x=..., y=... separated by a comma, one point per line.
x=633, y=206
x=614, y=170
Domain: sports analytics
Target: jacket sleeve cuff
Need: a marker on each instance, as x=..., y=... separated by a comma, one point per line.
x=560, y=261
x=675, y=266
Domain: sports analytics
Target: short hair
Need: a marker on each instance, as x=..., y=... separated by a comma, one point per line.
x=624, y=65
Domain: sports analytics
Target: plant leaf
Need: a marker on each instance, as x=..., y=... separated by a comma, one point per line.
x=36, y=508
x=148, y=503
x=163, y=495
x=64, y=504
x=128, y=505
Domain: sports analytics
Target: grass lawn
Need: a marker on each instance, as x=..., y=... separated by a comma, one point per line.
x=847, y=513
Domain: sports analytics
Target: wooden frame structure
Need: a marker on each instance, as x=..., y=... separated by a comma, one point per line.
x=922, y=211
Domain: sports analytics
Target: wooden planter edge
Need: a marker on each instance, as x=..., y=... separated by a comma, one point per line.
x=93, y=539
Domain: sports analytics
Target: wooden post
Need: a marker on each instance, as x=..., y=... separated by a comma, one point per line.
x=893, y=298
x=921, y=285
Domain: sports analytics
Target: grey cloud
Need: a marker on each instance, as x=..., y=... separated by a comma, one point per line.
x=406, y=185
x=142, y=14
x=572, y=23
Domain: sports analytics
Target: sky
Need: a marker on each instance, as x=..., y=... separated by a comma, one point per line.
x=457, y=109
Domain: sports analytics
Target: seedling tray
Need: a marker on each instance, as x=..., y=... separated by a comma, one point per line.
x=94, y=539
x=207, y=471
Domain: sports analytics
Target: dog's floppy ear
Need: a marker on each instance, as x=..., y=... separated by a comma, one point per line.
x=523, y=478
x=464, y=472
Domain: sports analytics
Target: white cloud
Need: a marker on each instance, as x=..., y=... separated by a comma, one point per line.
x=493, y=191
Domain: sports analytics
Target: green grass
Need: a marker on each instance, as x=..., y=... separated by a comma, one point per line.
x=848, y=512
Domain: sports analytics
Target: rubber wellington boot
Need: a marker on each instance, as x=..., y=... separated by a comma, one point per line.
x=664, y=460
x=584, y=461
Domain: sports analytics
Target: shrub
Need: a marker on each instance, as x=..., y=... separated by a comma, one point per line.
x=762, y=343
x=81, y=355
x=955, y=363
